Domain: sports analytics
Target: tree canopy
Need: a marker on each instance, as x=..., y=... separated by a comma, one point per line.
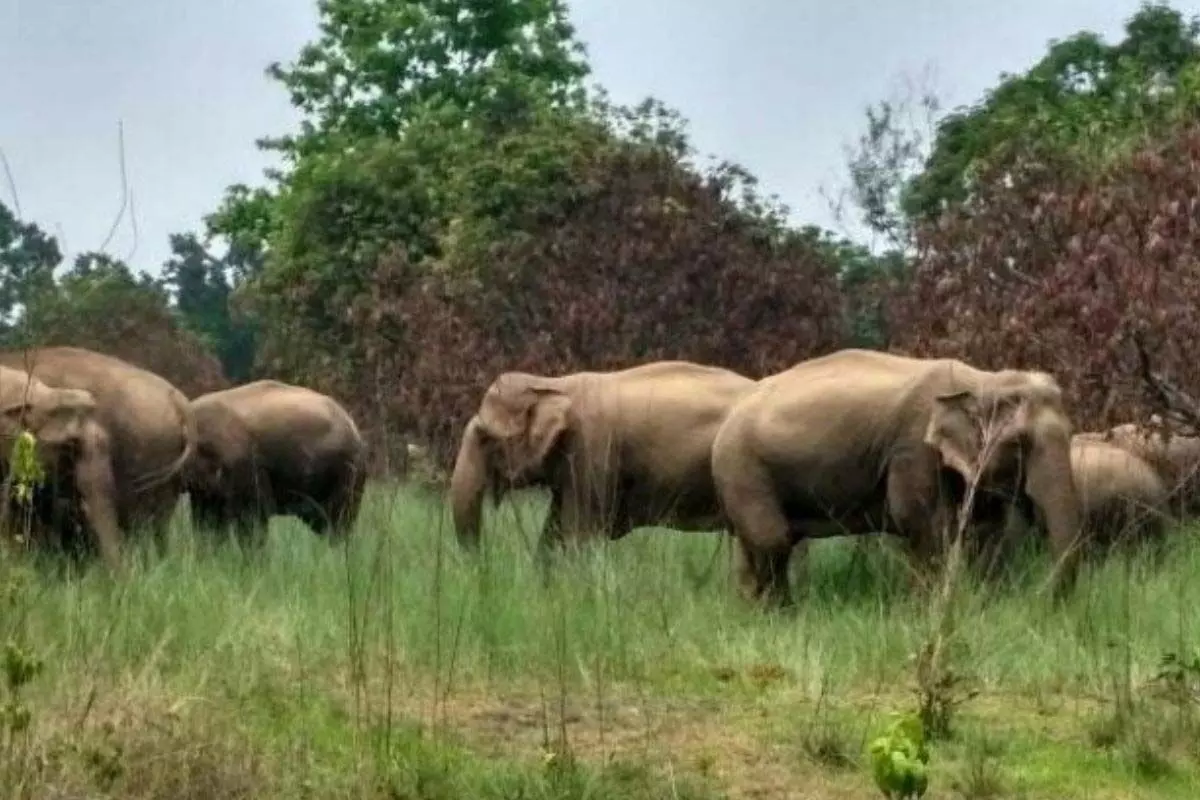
x=1093, y=99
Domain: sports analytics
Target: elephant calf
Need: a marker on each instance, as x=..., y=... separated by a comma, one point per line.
x=1120, y=493
x=1176, y=461
x=74, y=450
x=269, y=448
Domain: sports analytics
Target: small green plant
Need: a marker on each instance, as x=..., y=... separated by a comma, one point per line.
x=20, y=668
x=27, y=471
x=899, y=759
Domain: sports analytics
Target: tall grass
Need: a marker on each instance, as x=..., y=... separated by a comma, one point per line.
x=398, y=666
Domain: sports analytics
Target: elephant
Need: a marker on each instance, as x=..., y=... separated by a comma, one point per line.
x=151, y=432
x=74, y=450
x=269, y=448
x=1176, y=460
x=859, y=441
x=1121, y=495
x=618, y=450
x=1123, y=500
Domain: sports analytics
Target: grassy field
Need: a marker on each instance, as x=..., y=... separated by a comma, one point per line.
x=400, y=668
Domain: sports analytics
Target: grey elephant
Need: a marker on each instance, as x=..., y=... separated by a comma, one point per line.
x=151, y=433
x=617, y=450
x=1176, y=459
x=74, y=451
x=1121, y=494
x=859, y=442
x=1123, y=500
x=268, y=448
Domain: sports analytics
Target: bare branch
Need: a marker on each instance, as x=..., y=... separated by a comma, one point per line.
x=12, y=184
x=134, y=226
x=124, y=186
x=1180, y=407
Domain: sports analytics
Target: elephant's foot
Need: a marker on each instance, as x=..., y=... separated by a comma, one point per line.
x=763, y=578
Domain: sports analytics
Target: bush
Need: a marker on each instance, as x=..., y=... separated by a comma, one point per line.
x=1050, y=268
x=643, y=260
x=113, y=314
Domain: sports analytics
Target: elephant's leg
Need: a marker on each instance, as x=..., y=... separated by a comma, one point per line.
x=158, y=506
x=250, y=528
x=312, y=513
x=346, y=500
x=995, y=532
x=918, y=511
x=763, y=575
x=764, y=538
x=550, y=539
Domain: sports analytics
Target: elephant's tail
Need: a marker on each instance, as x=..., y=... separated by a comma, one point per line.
x=190, y=439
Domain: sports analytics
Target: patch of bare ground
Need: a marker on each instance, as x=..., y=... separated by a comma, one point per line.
x=718, y=738
x=753, y=737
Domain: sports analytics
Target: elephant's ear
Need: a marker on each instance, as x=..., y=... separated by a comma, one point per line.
x=964, y=423
x=952, y=431
x=548, y=419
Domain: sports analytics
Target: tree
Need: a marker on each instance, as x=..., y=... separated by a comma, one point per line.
x=1062, y=271
x=1094, y=100
x=203, y=293
x=102, y=305
x=376, y=62
x=885, y=158
x=28, y=258
x=629, y=256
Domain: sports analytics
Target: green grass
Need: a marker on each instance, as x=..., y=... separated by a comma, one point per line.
x=400, y=667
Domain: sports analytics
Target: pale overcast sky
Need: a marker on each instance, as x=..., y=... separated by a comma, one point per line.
x=778, y=85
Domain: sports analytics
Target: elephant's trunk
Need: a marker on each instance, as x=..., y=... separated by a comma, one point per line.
x=467, y=486
x=1050, y=483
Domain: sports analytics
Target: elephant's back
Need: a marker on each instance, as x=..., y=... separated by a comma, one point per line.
x=282, y=418
x=138, y=408
x=1105, y=470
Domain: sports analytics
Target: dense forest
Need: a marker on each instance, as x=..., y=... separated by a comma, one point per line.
x=461, y=199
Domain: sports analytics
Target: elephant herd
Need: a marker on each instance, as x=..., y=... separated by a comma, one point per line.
x=119, y=445
x=853, y=442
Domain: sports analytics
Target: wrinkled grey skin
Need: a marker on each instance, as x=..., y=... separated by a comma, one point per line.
x=73, y=449
x=861, y=442
x=270, y=448
x=151, y=432
x=617, y=450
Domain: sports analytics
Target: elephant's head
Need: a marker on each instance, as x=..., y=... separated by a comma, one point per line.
x=58, y=417
x=1013, y=425
x=65, y=423
x=507, y=444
